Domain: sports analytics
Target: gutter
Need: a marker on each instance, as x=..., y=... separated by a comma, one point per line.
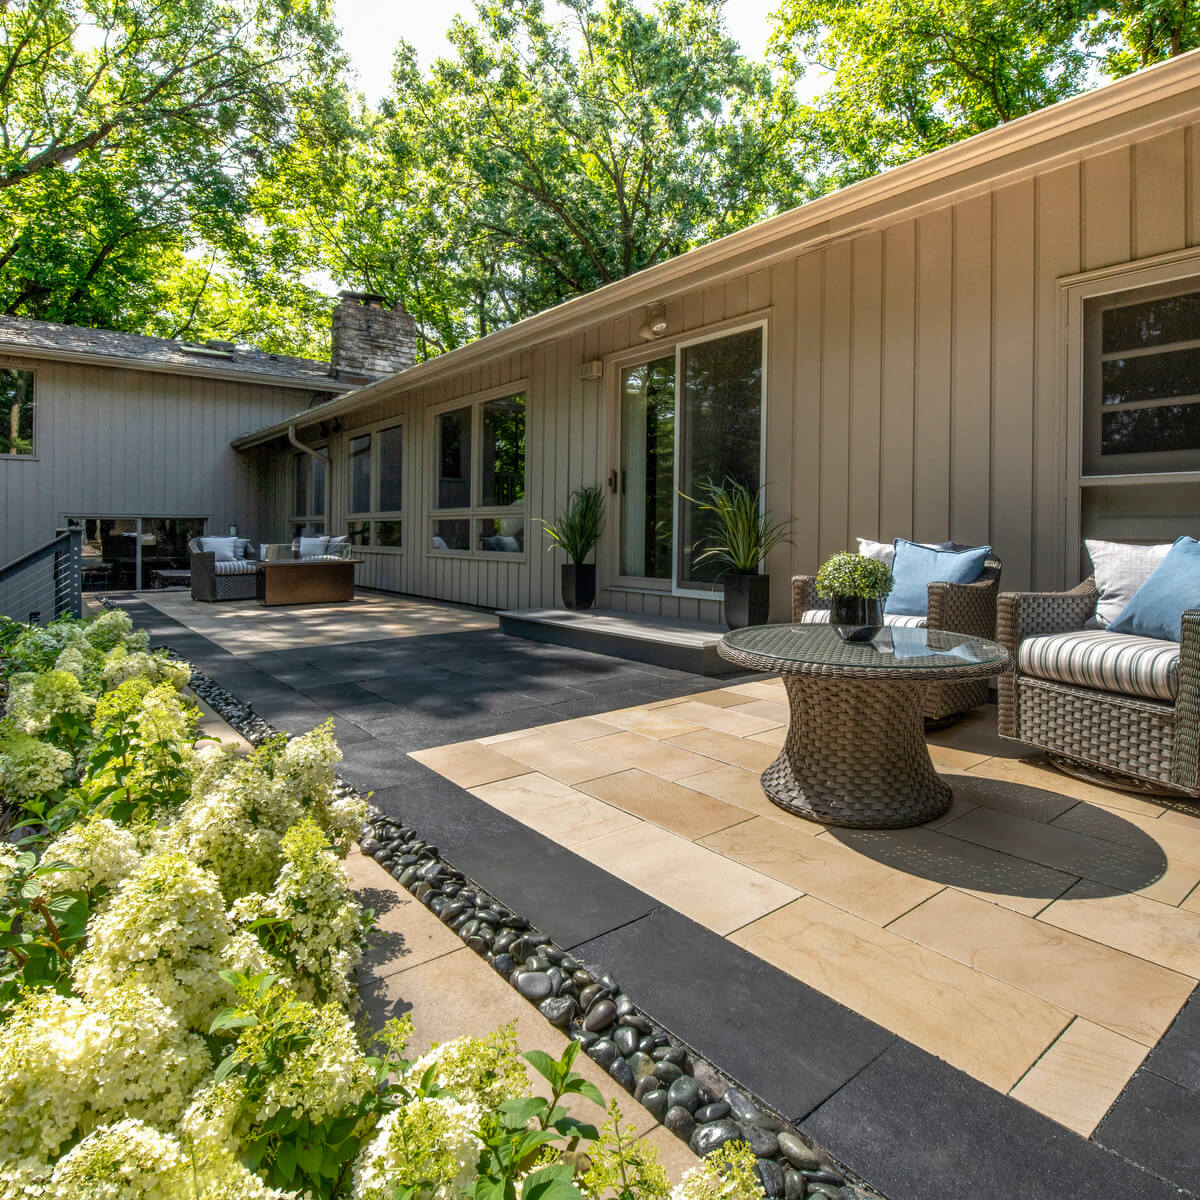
x=291, y=433
x=1114, y=110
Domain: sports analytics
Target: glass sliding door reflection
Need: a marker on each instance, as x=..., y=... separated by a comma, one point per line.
x=647, y=468
x=123, y=553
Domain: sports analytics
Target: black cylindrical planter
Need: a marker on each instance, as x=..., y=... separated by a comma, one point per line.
x=747, y=600
x=579, y=585
x=856, y=618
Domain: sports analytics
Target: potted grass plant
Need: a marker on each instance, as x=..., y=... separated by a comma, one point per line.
x=856, y=588
x=576, y=530
x=744, y=535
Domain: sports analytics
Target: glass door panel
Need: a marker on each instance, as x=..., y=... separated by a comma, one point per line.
x=647, y=468
x=720, y=411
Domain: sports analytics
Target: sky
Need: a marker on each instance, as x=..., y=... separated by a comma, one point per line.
x=370, y=31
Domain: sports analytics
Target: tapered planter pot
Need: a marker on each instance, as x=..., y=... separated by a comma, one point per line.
x=747, y=600
x=578, y=585
x=855, y=618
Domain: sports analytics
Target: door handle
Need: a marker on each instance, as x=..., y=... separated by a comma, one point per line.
x=612, y=481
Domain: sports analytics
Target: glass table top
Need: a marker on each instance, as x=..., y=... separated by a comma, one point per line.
x=894, y=647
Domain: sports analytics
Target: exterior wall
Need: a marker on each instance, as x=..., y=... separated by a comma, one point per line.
x=126, y=443
x=915, y=385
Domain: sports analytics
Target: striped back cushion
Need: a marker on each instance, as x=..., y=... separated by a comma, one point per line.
x=241, y=566
x=820, y=616
x=1113, y=662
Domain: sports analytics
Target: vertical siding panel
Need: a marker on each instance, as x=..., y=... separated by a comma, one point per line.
x=1160, y=202
x=931, y=446
x=837, y=338
x=736, y=293
x=760, y=289
x=1012, y=427
x=1106, y=187
x=806, y=413
x=864, y=461
x=779, y=287
x=899, y=355
x=971, y=416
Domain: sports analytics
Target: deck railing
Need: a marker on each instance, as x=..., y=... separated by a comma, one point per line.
x=45, y=583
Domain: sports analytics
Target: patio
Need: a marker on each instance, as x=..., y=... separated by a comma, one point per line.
x=1042, y=939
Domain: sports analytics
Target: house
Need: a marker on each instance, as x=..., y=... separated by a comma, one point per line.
x=131, y=435
x=999, y=342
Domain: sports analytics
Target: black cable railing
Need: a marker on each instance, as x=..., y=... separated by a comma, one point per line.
x=45, y=583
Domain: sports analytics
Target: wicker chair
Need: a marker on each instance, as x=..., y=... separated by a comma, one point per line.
x=1106, y=737
x=968, y=608
x=211, y=585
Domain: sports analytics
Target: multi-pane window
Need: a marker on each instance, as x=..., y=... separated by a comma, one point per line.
x=16, y=413
x=376, y=500
x=479, y=461
x=1142, y=383
x=308, y=498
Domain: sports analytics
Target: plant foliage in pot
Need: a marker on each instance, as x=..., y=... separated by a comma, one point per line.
x=576, y=530
x=744, y=535
x=856, y=588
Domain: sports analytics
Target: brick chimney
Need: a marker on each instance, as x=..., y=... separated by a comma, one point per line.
x=369, y=339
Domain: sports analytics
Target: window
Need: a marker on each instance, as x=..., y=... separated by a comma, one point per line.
x=686, y=418
x=376, y=460
x=16, y=413
x=120, y=553
x=1142, y=382
x=308, y=502
x=479, y=497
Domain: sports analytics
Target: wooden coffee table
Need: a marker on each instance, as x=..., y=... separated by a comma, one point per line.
x=855, y=752
x=306, y=581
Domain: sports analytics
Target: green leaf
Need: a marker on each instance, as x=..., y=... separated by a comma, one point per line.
x=285, y=1160
x=549, y=1068
x=578, y=1086
x=224, y=1067
x=570, y=1127
x=516, y=1114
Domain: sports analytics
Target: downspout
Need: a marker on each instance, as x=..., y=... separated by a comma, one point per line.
x=291, y=432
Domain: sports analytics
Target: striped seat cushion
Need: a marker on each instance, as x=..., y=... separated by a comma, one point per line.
x=240, y=566
x=1113, y=662
x=820, y=616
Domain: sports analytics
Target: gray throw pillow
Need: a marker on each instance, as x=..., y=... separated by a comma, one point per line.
x=1120, y=569
x=224, y=549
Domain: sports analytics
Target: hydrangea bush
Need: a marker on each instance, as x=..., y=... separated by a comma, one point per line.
x=176, y=987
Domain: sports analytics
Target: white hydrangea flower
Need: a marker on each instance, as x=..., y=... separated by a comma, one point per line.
x=346, y=815
x=126, y=1161
x=429, y=1140
x=482, y=1070
x=29, y=767
x=726, y=1174
x=165, y=930
x=35, y=699
x=306, y=765
x=9, y=856
x=67, y=1065
x=113, y=628
x=120, y=665
x=102, y=854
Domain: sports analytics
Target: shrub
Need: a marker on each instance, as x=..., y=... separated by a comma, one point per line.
x=485, y=1070
x=853, y=575
x=34, y=701
x=29, y=767
x=101, y=856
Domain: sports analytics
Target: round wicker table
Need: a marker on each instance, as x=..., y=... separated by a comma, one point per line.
x=855, y=752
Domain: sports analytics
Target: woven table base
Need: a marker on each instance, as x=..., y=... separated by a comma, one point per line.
x=855, y=755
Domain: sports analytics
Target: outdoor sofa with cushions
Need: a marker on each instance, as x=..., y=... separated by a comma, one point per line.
x=222, y=568
x=968, y=608
x=1106, y=704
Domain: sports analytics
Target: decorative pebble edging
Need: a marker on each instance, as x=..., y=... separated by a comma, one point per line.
x=686, y=1093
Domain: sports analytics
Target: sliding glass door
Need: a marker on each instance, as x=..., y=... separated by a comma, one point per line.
x=685, y=419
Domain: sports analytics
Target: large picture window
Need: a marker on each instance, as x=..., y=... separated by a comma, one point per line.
x=479, y=463
x=1142, y=382
x=376, y=460
x=686, y=419
x=16, y=413
x=309, y=478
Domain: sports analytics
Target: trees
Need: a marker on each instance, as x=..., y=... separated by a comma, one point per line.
x=545, y=160
x=133, y=133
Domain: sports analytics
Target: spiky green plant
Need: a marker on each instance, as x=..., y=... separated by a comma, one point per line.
x=849, y=574
x=578, y=527
x=745, y=533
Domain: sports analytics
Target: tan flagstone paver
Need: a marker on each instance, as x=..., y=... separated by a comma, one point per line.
x=776, y=711
x=734, y=720
x=561, y=813
x=661, y=758
x=771, y=737
x=1076, y=1081
x=974, y=786
x=649, y=722
x=674, y=806
x=743, y=788
x=720, y=697
x=982, y=1025
x=575, y=730
x=561, y=759
x=822, y=867
x=1178, y=841
x=1128, y=995
x=469, y=764
x=727, y=748
x=696, y=881
x=1139, y=926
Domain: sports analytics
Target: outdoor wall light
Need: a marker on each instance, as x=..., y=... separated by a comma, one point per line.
x=655, y=324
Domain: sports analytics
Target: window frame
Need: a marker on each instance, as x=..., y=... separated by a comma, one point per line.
x=33, y=437
x=375, y=515
x=296, y=520
x=615, y=365
x=475, y=511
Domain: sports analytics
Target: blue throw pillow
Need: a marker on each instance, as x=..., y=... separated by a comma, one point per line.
x=915, y=567
x=1156, y=609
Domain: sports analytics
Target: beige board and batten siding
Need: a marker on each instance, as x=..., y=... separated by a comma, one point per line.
x=915, y=371
x=112, y=442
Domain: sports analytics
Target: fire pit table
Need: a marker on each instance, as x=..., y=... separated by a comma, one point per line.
x=855, y=752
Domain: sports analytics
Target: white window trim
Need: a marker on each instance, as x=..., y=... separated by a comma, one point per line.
x=474, y=512
x=614, y=364
x=1074, y=292
x=29, y=370
x=376, y=513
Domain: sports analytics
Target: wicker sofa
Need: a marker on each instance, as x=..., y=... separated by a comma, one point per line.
x=968, y=608
x=1107, y=707
x=213, y=581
